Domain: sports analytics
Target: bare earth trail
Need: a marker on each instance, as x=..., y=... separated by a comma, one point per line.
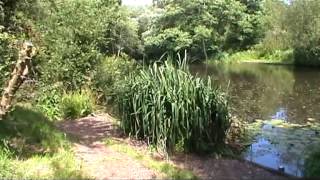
x=100, y=161
x=103, y=162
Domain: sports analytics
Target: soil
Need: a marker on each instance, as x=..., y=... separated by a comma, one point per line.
x=102, y=162
x=98, y=160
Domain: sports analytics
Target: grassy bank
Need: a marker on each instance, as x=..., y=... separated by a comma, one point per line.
x=252, y=56
x=31, y=147
x=166, y=169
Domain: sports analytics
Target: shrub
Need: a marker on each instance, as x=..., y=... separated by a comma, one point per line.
x=8, y=55
x=307, y=55
x=48, y=101
x=110, y=72
x=168, y=106
x=77, y=104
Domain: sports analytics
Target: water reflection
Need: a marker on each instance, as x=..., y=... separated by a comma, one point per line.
x=259, y=91
x=277, y=146
x=281, y=114
x=265, y=153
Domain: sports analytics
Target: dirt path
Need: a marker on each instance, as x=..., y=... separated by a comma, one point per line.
x=103, y=162
x=100, y=161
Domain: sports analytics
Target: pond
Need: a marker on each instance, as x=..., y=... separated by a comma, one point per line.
x=286, y=95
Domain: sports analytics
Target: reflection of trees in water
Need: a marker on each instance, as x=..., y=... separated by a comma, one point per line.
x=312, y=163
x=262, y=91
x=304, y=101
x=256, y=90
x=286, y=146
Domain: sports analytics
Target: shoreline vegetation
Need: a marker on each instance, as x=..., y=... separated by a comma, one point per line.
x=253, y=56
x=280, y=57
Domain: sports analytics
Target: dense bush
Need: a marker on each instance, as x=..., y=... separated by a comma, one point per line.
x=303, y=26
x=110, y=71
x=293, y=26
x=48, y=101
x=68, y=51
x=77, y=104
x=8, y=55
x=307, y=55
x=168, y=106
x=204, y=27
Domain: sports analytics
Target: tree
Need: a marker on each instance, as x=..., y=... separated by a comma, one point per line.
x=303, y=22
x=172, y=40
x=293, y=25
x=213, y=26
x=19, y=74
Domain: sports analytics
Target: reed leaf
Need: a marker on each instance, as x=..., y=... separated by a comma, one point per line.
x=167, y=106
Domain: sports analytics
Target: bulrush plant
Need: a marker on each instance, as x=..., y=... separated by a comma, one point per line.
x=171, y=109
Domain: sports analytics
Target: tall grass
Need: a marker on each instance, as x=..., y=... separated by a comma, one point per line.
x=169, y=107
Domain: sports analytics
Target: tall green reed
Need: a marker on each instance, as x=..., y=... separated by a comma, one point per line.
x=168, y=106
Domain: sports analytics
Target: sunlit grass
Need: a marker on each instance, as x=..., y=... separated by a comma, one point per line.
x=61, y=165
x=169, y=170
x=254, y=56
x=31, y=147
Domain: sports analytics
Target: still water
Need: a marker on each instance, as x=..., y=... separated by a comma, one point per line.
x=269, y=92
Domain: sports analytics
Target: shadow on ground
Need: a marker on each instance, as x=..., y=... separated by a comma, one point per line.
x=91, y=130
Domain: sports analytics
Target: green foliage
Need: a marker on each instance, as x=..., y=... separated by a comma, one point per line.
x=305, y=31
x=31, y=147
x=171, y=40
x=25, y=126
x=110, y=72
x=6, y=166
x=276, y=56
x=77, y=104
x=8, y=55
x=276, y=36
x=69, y=51
x=62, y=165
x=48, y=101
x=166, y=105
x=293, y=26
x=204, y=27
x=169, y=170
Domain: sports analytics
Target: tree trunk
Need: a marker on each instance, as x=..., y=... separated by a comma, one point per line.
x=18, y=76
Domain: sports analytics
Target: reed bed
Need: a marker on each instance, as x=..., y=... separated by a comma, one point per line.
x=170, y=108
